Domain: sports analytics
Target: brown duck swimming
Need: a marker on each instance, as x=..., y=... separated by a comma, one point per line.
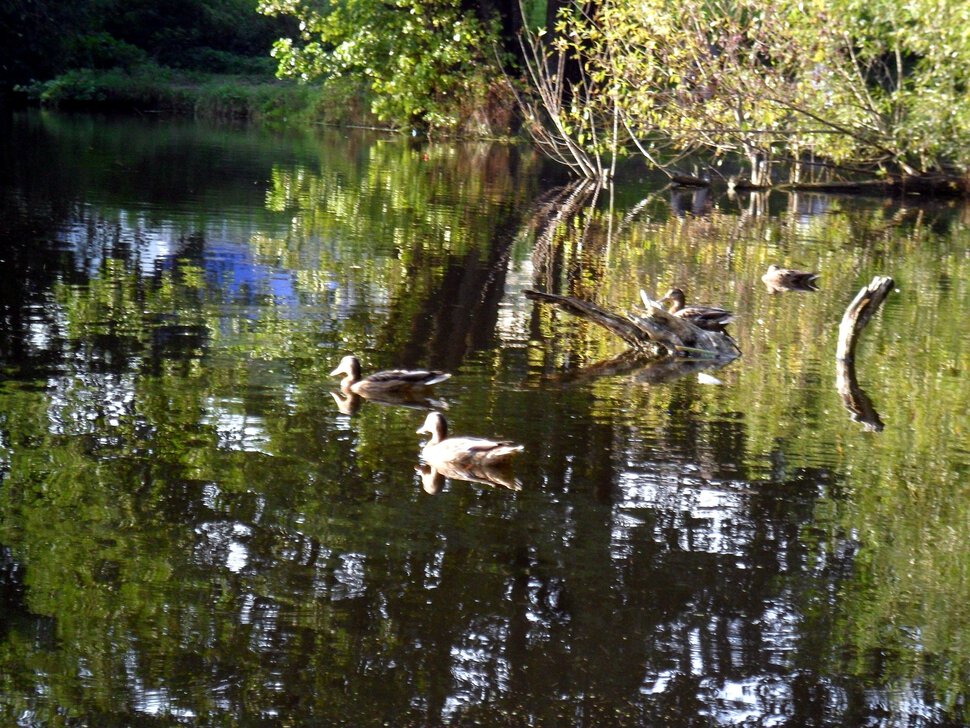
x=710, y=318
x=463, y=452
x=386, y=382
x=789, y=279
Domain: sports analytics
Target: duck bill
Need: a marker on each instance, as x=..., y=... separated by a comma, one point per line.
x=335, y=372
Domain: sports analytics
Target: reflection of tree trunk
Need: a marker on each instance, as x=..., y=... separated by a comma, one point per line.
x=757, y=204
x=460, y=313
x=854, y=399
x=856, y=316
x=561, y=205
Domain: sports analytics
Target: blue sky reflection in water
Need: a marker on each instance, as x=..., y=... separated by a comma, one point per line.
x=192, y=531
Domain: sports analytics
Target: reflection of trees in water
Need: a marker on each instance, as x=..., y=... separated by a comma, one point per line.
x=457, y=313
x=679, y=500
x=571, y=238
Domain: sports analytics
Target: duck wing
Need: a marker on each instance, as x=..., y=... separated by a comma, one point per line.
x=470, y=450
x=413, y=377
x=475, y=444
x=706, y=317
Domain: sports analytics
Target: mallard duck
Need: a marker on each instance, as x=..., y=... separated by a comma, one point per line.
x=386, y=382
x=789, y=279
x=710, y=318
x=433, y=478
x=462, y=452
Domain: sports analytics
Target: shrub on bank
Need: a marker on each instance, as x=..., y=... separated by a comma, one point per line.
x=152, y=88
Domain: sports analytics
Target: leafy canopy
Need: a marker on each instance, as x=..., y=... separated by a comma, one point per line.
x=420, y=58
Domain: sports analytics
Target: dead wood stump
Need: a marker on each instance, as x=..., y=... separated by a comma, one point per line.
x=857, y=315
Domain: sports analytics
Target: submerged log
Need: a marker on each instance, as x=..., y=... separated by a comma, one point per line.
x=653, y=330
x=941, y=185
x=857, y=315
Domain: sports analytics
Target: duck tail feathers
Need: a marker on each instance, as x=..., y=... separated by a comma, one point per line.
x=437, y=377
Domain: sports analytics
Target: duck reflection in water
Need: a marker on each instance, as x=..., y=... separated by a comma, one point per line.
x=778, y=280
x=476, y=459
x=349, y=404
x=433, y=478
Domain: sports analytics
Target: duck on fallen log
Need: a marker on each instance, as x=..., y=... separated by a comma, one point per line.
x=709, y=318
x=654, y=330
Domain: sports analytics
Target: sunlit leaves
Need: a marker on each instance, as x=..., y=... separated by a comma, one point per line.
x=422, y=58
x=855, y=82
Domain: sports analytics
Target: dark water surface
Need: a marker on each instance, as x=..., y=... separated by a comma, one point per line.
x=192, y=532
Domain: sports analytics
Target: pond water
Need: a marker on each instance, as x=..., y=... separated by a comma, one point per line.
x=194, y=531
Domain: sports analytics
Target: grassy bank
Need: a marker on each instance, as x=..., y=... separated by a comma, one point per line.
x=156, y=89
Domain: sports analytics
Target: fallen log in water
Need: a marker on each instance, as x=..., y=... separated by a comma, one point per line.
x=654, y=330
x=857, y=315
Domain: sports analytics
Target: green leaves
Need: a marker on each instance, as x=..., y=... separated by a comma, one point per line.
x=856, y=83
x=421, y=58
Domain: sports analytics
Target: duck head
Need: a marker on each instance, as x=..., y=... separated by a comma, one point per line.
x=676, y=297
x=436, y=426
x=349, y=367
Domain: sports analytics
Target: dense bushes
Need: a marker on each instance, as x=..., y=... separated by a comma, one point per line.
x=40, y=39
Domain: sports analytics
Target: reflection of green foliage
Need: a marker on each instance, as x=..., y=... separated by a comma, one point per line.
x=397, y=237
x=175, y=415
x=907, y=500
